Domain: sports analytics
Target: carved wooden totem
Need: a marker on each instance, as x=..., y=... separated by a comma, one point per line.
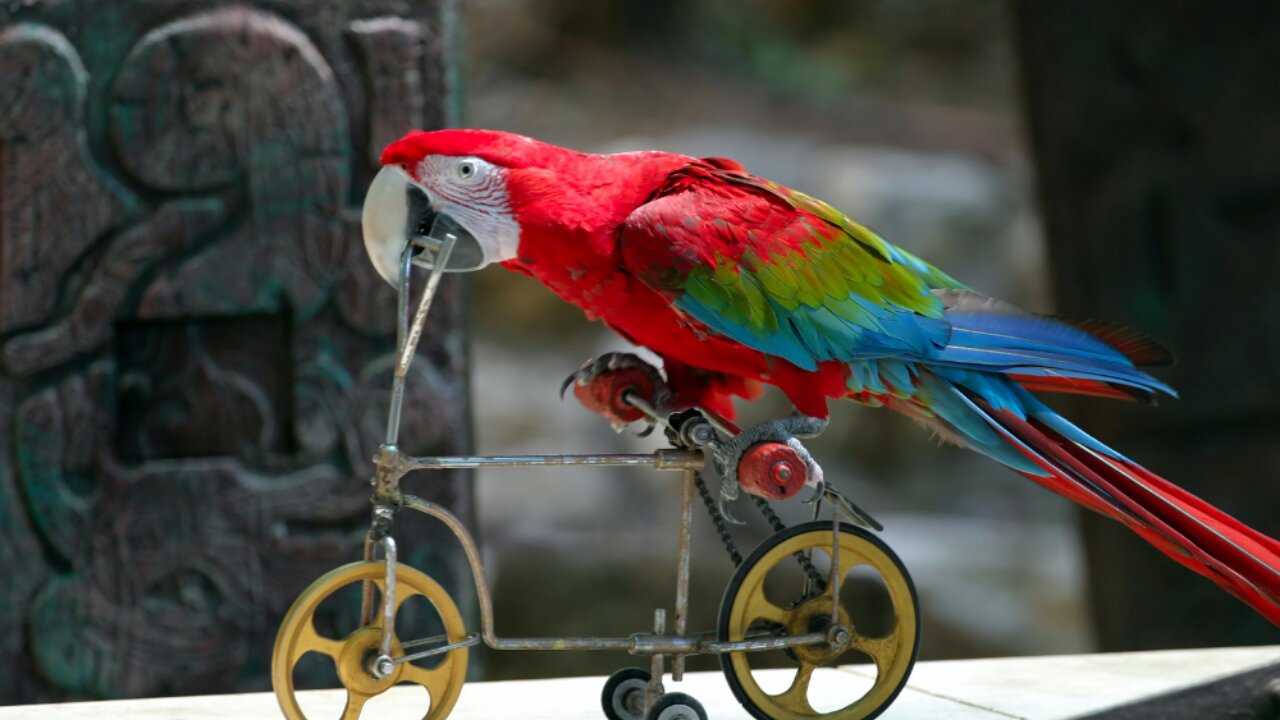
x=195, y=354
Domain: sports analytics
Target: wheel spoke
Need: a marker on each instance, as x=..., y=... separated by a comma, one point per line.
x=796, y=697
x=309, y=640
x=355, y=702
x=436, y=680
x=883, y=650
x=759, y=608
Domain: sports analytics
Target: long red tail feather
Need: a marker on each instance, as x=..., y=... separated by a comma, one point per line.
x=1074, y=386
x=1197, y=535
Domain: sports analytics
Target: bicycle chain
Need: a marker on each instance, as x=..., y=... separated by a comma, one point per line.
x=722, y=527
x=778, y=526
x=717, y=518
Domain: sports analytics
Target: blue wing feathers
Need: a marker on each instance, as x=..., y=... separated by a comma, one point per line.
x=1034, y=345
x=949, y=392
x=1029, y=330
x=858, y=330
x=964, y=418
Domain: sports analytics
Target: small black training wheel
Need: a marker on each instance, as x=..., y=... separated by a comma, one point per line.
x=623, y=696
x=676, y=706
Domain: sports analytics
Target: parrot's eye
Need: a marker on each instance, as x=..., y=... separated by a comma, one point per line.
x=467, y=170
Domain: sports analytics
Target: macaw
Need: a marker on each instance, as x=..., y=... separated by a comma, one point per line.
x=734, y=280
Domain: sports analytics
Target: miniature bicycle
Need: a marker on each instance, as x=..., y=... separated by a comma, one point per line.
x=803, y=618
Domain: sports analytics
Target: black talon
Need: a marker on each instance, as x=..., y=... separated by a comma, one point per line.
x=723, y=507
x=568, y=383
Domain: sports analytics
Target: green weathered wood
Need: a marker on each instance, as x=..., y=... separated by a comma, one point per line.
x=1156, y=134
x=195, y=354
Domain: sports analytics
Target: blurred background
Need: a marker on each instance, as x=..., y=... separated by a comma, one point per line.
x=164, y=210
x=905, y=116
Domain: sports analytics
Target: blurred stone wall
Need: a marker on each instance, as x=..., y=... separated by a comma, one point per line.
x=194, y=352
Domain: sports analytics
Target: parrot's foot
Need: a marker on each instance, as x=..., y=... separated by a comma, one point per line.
x=605, y=383
x=769, y=460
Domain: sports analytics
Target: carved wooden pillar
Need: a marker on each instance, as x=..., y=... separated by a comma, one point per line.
x=194, y=352
x=1157, y=141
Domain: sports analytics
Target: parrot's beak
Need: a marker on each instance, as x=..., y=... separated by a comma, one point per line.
x=395, y=211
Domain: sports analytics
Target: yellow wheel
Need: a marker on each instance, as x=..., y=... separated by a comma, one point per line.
x=353, y=654
x=772, y=594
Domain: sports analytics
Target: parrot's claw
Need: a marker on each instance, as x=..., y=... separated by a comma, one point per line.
x=819, y=492
x=728, y=493
x=723, y=508
x=727, y=454
x=568, y=382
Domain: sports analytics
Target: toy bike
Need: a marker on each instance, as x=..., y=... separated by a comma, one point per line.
x=784, y=600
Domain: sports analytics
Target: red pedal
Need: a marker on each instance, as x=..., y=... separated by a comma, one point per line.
x=606, y=392
x=772, y=470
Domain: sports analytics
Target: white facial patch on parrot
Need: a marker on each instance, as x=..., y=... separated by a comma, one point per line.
x=474, y=193
x=470, y=191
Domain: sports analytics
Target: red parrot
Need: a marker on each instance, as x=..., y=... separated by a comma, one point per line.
x=734, y=281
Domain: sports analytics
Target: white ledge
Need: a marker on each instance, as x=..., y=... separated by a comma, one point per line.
x=1039, y=687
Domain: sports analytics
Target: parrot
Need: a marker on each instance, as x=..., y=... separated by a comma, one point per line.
x=735, y=281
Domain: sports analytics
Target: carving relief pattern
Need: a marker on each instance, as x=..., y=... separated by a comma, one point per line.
x=194, y=353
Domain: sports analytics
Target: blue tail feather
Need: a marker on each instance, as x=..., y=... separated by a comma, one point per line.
x=1033, y=345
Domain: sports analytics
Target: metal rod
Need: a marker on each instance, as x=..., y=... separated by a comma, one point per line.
x=649, y=411
x=407, y=337
x=468, y=641
x=773, y=643
x=428, y=294
x=661, y=460
x=402, y=331
x=836, y=577
x=656, y=664
x=682, y=569
x=651, y=644
x=472, y=552
x=725, y=427
x=425, y=641
x=574, y=643
x=639, y=644
x=366, y=586
x=388, y=596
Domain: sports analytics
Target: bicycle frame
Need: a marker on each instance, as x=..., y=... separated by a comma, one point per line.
x=392, y=465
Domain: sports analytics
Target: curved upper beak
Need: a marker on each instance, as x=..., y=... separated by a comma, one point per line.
x=385, y=221
x=395, y=211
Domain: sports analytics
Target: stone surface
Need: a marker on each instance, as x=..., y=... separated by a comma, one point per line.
x=1043, y=688
x=194, y=353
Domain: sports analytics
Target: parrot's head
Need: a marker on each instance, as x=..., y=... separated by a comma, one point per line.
x=459, y=181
